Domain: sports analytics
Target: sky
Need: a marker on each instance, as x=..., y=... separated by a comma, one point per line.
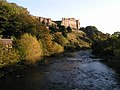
x=104, y=14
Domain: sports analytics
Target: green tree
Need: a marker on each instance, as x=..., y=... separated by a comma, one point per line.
x=64, y=33
x=8, y=56
x=16, y=20
x=60, y=39
x=94, y=34
x=69, y=29
x=49, y=45
x=30, y=49
x=115, y=34
x=53, y=29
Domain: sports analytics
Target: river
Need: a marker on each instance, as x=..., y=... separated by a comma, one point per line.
x=68, y=71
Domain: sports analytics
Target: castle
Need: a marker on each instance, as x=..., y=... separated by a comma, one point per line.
x=46, y=21
x=72, y=22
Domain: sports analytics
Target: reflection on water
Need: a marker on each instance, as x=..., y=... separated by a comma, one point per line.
x=76, y=71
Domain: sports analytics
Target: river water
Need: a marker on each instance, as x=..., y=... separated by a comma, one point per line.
x=69, y=71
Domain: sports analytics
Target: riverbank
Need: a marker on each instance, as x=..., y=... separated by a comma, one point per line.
x=113, y=63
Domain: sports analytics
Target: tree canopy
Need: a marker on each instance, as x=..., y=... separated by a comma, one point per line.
x=93, y=33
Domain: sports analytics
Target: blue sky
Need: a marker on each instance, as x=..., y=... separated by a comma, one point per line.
x=104, y=14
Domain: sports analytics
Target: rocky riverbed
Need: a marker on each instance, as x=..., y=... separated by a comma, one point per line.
x=68, y=71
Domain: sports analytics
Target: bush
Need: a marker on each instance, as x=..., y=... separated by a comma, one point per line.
x=64, y=34
x=60, y=39
x=30, y=49
x=49, y=45
x=8, y=56
x=69, y=29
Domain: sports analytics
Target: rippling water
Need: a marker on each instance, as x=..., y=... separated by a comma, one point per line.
x=70, y=71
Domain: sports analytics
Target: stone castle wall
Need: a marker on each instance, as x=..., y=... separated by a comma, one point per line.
x=72, y=22
x=46, y=21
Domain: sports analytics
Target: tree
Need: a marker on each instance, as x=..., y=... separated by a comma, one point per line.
x=16, y=20
x=69, y=29
x=30, y=49
x=82, y=28
x=8, y=56
x=116, y=34
x=94, y=34
x=53, y=29
x=64, y=33
x=49, y=45
x=60, y=39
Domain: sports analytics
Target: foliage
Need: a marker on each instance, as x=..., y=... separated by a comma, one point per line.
x=103, y=48
x=53, y=29
x=60, y=39
x=57, y=48
x=9, y=16
x=115, y=34
x=109, y=50
x=117, y=47
x=8, y=56
x=93, y=33
x=30, y=49
x=64, y=33
x=69, y=29
x=49, y=45
x=109, y=47
x=32, y=38
x=63, y=30
x=16, y=20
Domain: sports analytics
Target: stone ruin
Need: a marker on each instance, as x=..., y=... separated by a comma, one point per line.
x=72, y=22
x=46, y=21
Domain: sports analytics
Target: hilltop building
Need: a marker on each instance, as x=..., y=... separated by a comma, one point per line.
x=72, y=22
x=46, y=21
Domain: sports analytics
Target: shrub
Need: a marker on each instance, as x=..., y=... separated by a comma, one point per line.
x=30, y=49
x=69, y=29
x=60, y=39
x=8, y=56
x=50, y=47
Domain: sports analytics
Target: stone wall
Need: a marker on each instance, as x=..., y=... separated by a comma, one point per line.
x=7, y=42
x=46, y=21
x=72, y=22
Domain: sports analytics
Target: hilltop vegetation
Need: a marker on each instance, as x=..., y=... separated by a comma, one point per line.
x=93, y=33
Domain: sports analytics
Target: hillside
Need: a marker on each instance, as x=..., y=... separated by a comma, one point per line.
x=29, y=36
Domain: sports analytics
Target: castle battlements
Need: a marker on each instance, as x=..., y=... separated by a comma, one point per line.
x=72, y=22
x=46, y=21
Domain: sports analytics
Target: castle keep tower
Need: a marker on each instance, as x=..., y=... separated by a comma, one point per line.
x=72, y=22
